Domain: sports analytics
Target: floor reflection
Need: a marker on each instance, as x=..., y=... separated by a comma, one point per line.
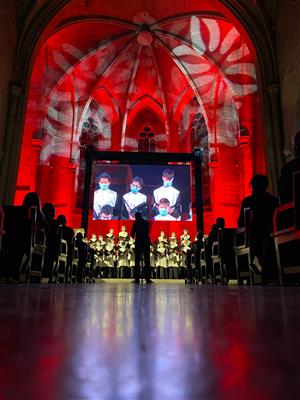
x=120, y=341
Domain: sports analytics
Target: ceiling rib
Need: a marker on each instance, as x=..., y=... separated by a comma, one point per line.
x=94, y=18
x=107, y=70
x=185, y=73
x=129, y=91
x=165, y=107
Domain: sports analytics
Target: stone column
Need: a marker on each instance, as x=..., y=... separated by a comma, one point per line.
x=214, y=165
x=275, y=138
x=72, y=194
x=11, y=146
x=37, y=144
x=247, y=162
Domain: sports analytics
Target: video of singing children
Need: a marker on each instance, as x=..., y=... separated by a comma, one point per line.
x=158, y=192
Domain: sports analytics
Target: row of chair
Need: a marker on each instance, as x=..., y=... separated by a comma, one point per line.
x=287, y=236
x=64, y=269
x=228, y=258
x=23, y=251
x=286, y=227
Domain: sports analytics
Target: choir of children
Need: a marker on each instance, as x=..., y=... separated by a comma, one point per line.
x=114, y=256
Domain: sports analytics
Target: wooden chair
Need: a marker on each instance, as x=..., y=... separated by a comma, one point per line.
x=218, y=267
x=244, y=268
x=75, y=262
x=203, y=269
x=93, y=272
x=60, y=268
x=88, y=268
x=192, y=273
x=287, y=238
x=26, y=262
x=242, y=250
x=35, y=268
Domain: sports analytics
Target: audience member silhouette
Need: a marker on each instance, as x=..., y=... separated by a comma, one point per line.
x=197, y=247
x=213, y=237
x=52, y=242
x=262, y=205
x=32, y=199
x=18, y=227
x=82, y=255
x=213, y=234
x=49, y=212
x=285, y=186
x=67, y=234
x=140, y=231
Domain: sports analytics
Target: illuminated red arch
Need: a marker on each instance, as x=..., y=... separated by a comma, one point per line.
x=220, y=74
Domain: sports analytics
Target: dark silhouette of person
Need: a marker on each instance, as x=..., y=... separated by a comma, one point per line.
x=32, y=199
x=52, y=243
x=213, y=236
x=82, y=255
x=20, y=224
x=67, y=234
x=32, y=221
x=285, y=185
x=140, y=231
x=197, y=247
x=262, y=205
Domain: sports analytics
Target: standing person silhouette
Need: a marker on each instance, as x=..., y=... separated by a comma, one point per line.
x=140, y=231
x=262, y=205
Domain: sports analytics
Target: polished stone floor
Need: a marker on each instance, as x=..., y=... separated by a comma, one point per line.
x=161, y=341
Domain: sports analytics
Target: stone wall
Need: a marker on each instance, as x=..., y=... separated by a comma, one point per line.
x=283, y=16
x=288, y=48
x=8, y=42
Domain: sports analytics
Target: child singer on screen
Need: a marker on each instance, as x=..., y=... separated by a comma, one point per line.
x=103, y=196
x=167, y=191
x=134, y=201
x=164, y=210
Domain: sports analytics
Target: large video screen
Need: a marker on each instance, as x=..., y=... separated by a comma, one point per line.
x=158, y=192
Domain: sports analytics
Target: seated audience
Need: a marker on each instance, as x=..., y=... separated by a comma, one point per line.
x=82, y=255
x=285, y=187
x=32, y=199
x=197, y=247
x=263, y=205
x=67, y=235
x=213, y=234
x=18, y=235
x=52, y=244
x=212, y=237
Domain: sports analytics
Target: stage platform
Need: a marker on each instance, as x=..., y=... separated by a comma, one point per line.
x=124, y=280
x=117, y=340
